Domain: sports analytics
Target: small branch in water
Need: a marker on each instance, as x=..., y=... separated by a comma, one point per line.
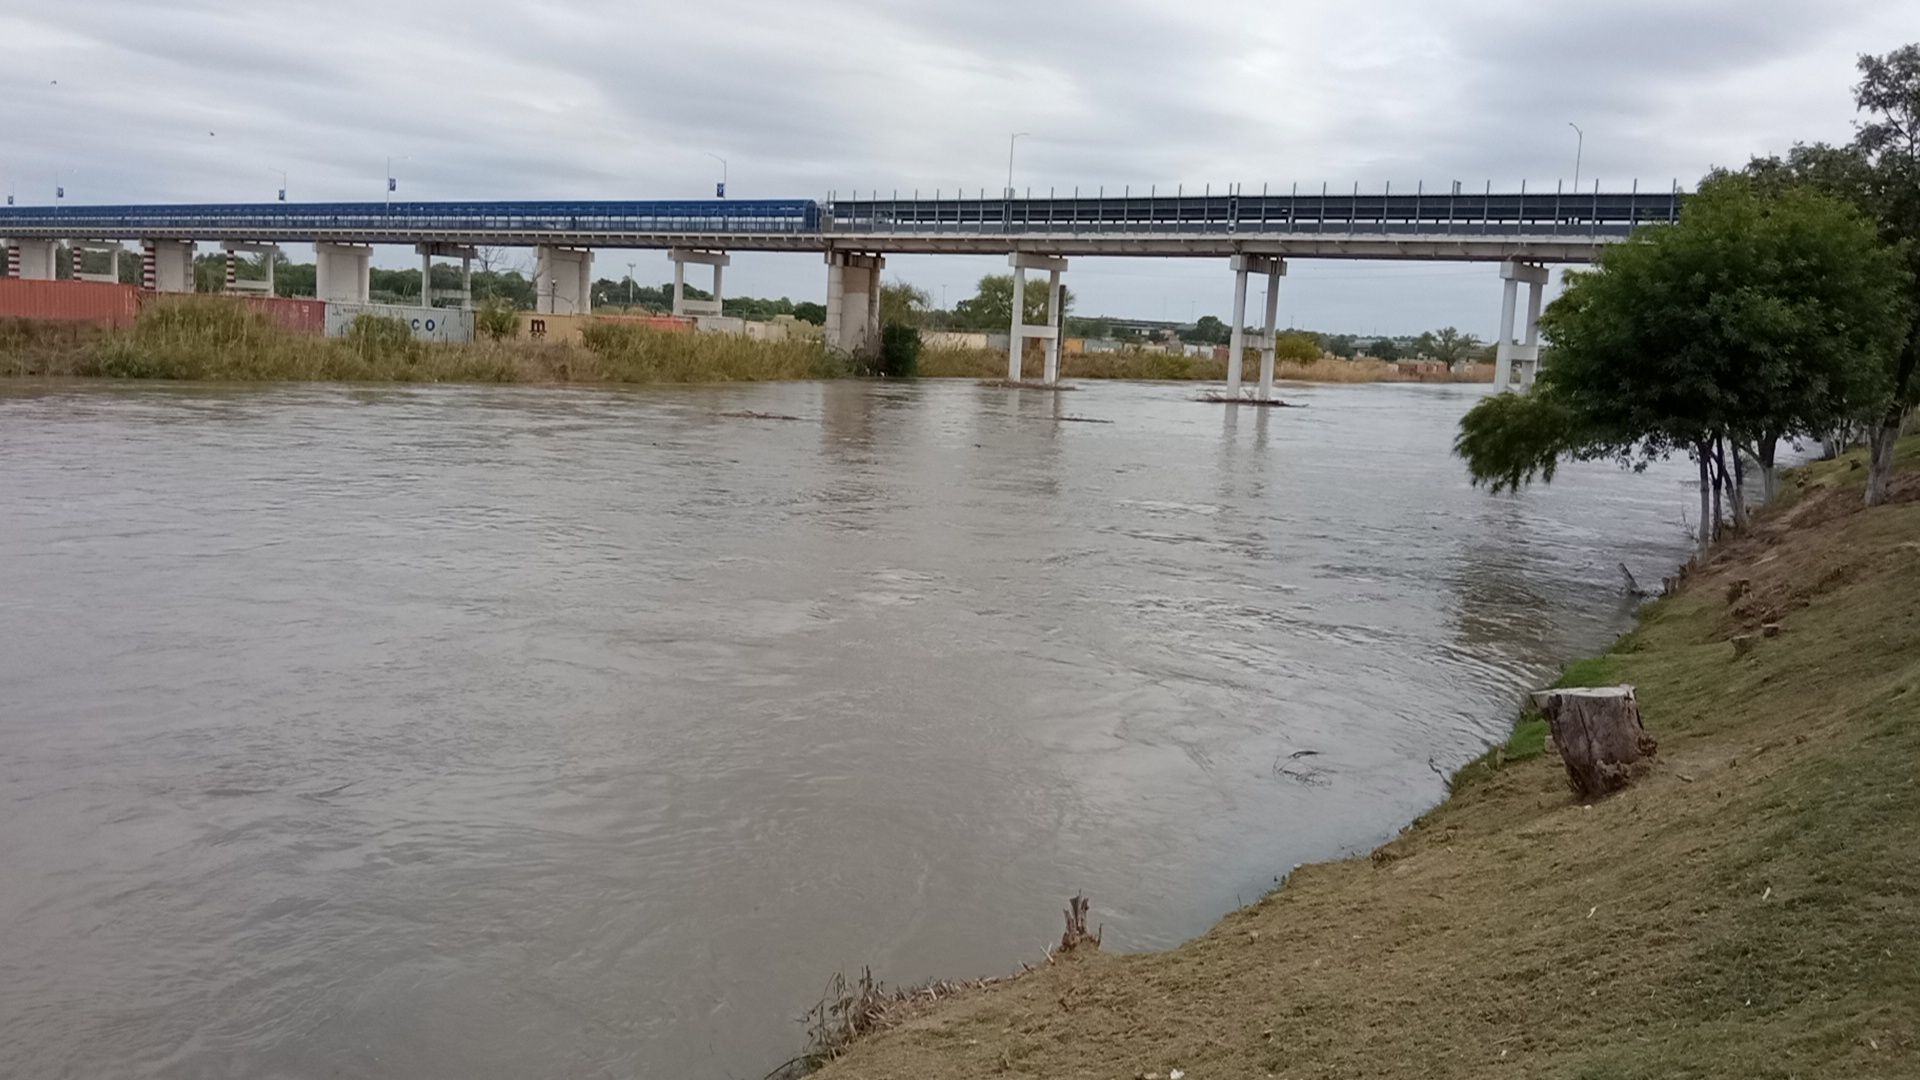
x=749, y=414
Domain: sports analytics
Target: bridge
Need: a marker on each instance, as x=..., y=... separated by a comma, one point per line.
x=1522, y=231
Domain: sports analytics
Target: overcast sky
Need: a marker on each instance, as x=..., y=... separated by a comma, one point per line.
x=209, y=100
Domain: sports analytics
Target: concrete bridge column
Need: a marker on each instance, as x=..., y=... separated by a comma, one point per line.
x=269, y=253
x=342, y=272
x=32, y=259
x=853, y=301
x=466, y=255
x=1237, y=337
x=1275, y=269
x=167, y=265
x=77, y=249
x=1019, y=330
x=684, y=307
x=563, y=280
x=1508, y=352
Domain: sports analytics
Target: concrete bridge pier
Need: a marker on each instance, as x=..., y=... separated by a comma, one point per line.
x=342, y=272
x=719, y=260
x=77, y=249
x=166, y=265
x=1275, y=269
x=1525, y=353
x=1244, y=265
x=466, y=255
x=853, y=301
x=32, y=259
x=563, y=280
x=269, y=253
x=1019, y=330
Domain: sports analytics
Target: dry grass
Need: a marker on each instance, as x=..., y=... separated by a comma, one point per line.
x=1143, y=364
x=208, y=338
x=1750, y=909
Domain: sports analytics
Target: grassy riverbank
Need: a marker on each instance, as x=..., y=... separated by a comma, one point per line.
x=212, y=339
x=1749, y=909
x=1145, y=364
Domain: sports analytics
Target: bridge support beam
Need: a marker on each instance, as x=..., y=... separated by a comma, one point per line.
x=1524, y=353
x=269, y=253
x=166, y=265
x=428, y=293
x=563, y=280
x=342, y=272
x=76, y=251
x=32, y=259
x=1019, y=330
x=853, y=301
x=683, y=307
x=1274, y=268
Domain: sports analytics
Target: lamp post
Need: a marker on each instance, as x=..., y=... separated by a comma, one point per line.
x=283, y=185
x=1011, y=142
x=630, y=267
x=720, y=192
x=1579, y=147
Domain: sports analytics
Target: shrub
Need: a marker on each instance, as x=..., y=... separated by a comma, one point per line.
x=899, y=351
x=496, y=320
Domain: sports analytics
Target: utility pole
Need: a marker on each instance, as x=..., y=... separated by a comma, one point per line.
x=1579, y=148
x=1017, y=136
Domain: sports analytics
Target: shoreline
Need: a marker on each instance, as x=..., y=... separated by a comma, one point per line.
x=1663, y=930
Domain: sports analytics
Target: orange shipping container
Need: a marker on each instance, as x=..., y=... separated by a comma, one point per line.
x=76, y=301
x=292, y=314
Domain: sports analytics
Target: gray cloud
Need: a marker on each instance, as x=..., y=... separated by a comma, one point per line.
x=598, y=99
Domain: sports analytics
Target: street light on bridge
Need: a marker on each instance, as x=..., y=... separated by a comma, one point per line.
x=1579, y=147
x=1016, y=137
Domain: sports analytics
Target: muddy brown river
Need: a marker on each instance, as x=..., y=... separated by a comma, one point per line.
x=509, y=732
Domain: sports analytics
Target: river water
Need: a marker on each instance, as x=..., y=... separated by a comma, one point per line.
x=476, y=732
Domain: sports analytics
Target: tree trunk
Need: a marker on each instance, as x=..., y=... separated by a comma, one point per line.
x=1880, y=461
x=1769, y=476
x=1880, y=456
x=1598, y=734
x=1706, y=496
x=1736, y=492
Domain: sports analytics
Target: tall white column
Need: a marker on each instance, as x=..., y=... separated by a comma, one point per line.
x=1275, y=270
x=1016, y=336
x=1052, y=369
x=1237, y=338
x=426, y=278
x=342, y=272
x=33, y=259
x=1503, y=350
x=719, y=295
x=679, y=289
x=1530, y=337
x=1510, y=354
x=853, y=301
x=466, y=281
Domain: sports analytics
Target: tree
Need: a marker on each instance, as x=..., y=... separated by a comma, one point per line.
x=808, y=311
x=1208, y=331
x=1304, y=348
x=1448, y=345
x=991, y=308
x=1342, y=345
x=1889, y=90
x=1384, y=349
x=903, y=305
x=1750, y=320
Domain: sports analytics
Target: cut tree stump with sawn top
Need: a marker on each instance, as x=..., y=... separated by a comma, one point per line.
x=1597, y=731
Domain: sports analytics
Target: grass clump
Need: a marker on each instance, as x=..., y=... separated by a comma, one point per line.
x=1750, y=908
x=626, y=353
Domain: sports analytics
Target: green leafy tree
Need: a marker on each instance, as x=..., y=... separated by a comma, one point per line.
x=991, y=307
x=1209, y=330
x=1449, y=346
x=1384, y=349
x=902, y=305
x=1752, y=319
x=1301, y=348
x=808, y=311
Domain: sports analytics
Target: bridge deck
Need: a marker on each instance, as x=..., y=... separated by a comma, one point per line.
x=1486, y=226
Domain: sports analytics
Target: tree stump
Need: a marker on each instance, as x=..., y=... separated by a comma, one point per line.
x=1597, y=731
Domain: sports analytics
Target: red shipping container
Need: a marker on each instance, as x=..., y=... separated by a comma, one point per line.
x=291, y=314
x=669, y=322
x=96, y=302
